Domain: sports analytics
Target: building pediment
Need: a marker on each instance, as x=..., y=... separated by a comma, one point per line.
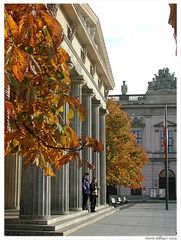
x=161, y=124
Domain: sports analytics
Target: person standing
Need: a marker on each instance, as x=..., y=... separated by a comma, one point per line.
x=85, y=191
x=93, y=193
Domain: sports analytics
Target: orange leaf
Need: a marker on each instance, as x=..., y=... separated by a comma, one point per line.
x=70, y=114
x=49, y=171
x=58, y=161
x=54, y=27
x=12, y=26
x=74, y=138
x=28, y=29
x=89, y=165
x=20, y=63
x=63, y=55
x=18, y=8
x=100, y=147
x=67, y=80
x=82, y=112
x=10, y=135
x=61, y=161
x=10, y=109
x=75, y=103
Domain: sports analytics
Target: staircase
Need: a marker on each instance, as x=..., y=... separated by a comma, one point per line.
x=57, y=225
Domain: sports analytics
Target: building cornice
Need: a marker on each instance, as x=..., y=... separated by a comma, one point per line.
x=96, y=55
x=102, y=41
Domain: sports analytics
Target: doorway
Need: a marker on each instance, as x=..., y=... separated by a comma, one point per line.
x=172, y=184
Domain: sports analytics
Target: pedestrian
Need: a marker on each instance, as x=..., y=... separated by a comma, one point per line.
x=85, y=191
x=93, y=193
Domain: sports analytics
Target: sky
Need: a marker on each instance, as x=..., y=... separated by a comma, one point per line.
x=138, y=39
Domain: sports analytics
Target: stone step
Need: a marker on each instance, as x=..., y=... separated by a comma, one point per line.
x=43, y=226
x=63, y=225
x=9, y=219
x=12, y=216
x=85, y=218
x=30, y=233
x=76, y=226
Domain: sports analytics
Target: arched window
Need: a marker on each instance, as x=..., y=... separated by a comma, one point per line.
x=162, y=174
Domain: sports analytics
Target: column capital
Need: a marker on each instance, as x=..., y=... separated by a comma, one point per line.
x=96, y=102
x=103, y=111
x=78, y=79
x=87, y=92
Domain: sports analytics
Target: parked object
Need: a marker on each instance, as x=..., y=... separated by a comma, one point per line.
x=116, y=201
x=113, y=202
x=125, y=199
x=120, y=200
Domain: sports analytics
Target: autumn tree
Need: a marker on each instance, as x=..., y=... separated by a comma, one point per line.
x=125, y=158
x=37, y=89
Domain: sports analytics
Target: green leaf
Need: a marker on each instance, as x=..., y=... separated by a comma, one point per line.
x=12, y=81
x=29, y=49
x=15, y=142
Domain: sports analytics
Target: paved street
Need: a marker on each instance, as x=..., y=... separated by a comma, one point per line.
x=141, y=219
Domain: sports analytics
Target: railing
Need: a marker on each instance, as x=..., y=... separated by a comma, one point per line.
x=130, y=98
x=114, y=97
x=136, y=98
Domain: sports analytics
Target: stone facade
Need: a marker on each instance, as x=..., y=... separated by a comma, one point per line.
x=147, y=114
x=38, y=196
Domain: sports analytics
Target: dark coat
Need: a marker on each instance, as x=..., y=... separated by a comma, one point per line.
x=93, y=189
x=85, y=186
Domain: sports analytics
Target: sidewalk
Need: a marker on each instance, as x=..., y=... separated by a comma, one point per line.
x=141, y=219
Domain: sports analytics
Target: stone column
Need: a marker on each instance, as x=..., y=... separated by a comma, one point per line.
x=95, y=134
x=75, y=172
x=13, y=168
x=60, y=191
x=103, y=157
x=35, y=194
x=87, y=125
x=60, y=185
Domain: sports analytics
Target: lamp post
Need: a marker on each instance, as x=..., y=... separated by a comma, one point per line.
x=165, y=132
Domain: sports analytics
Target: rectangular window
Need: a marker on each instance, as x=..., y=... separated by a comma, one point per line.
x=170, y=141
x=68, y=32
x=83, y=55
x=139, y=136
x=161, y=141
x=136, y=191
x=92, y=71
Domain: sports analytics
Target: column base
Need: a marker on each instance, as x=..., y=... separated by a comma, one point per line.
x=27, y=217
x=12, y=208
x=54, y=212
x=76, y=209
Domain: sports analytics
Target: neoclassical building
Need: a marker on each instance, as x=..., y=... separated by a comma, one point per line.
x=147, y=114
x=29, y=190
